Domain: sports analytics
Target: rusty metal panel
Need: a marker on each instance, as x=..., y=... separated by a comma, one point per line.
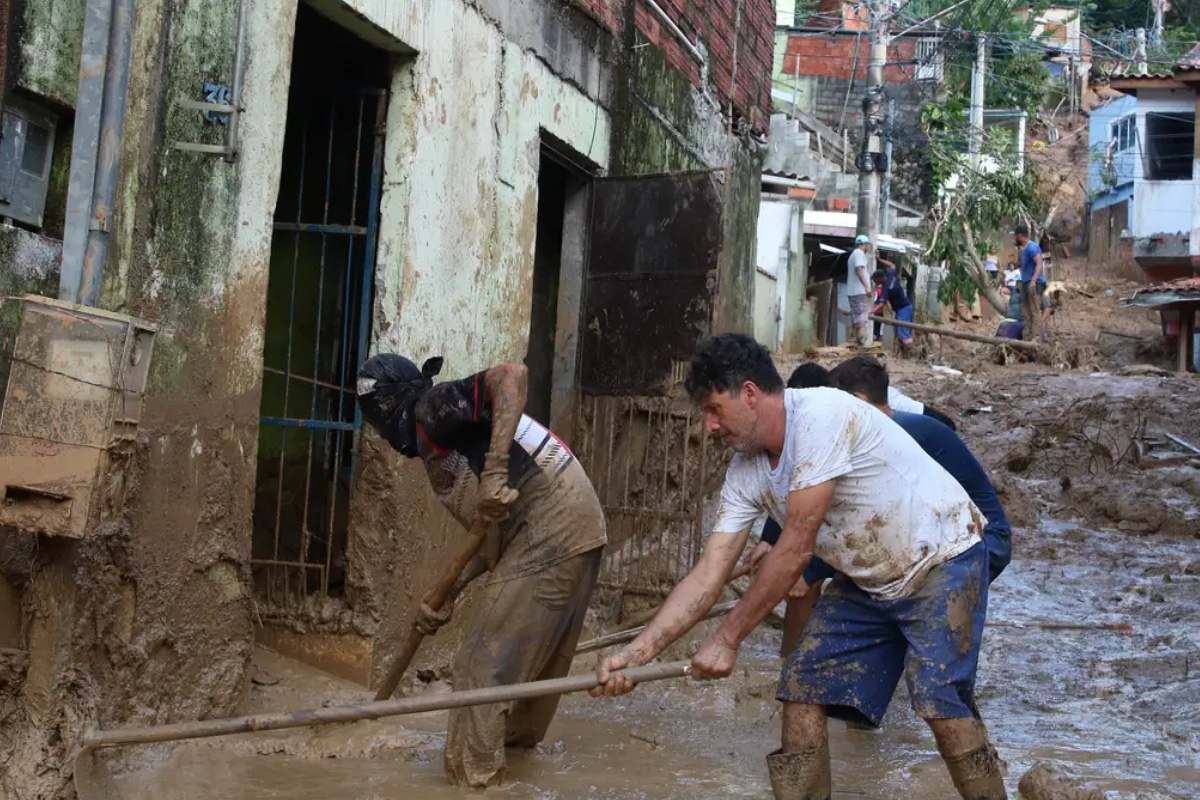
x=72, y=406
x=656, y=472
x=652, y=274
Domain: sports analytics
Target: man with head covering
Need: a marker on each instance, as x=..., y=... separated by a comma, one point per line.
x=487, y=460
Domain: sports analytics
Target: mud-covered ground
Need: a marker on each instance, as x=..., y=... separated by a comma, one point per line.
x=1091, y=660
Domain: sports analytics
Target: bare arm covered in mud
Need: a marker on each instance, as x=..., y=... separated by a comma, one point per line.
x=780, y=571
x=507, y=387
x=686, y=606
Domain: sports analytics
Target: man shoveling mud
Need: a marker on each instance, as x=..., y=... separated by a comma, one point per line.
x=911, y=595
x=486, y=459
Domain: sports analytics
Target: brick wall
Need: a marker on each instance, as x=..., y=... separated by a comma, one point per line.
x=833, y=56
x=730, y=30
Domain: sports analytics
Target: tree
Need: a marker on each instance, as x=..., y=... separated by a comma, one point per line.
x=972, y=206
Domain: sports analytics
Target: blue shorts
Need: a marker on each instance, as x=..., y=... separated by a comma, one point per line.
x=904, y=315
x=856, y=648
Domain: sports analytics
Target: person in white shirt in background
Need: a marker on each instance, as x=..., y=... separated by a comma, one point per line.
x=1011, y=276
x=992, y=265
x=859, y=292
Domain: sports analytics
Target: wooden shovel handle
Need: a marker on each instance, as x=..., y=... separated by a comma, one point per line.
x=435, y=599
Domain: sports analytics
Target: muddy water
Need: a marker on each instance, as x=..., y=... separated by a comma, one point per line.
x=1119, y=708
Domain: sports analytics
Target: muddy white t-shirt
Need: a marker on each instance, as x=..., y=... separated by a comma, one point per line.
x=899, y=401
x=854, y=285
x=895, y=514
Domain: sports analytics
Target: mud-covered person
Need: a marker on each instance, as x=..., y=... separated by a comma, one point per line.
x=911, y=594
x=867, y=379
x=485, y=459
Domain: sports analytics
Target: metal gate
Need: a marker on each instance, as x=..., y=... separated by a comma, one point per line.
x=318, y=333
x=653, y=466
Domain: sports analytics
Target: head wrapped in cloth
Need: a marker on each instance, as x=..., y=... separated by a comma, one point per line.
x=389, y=387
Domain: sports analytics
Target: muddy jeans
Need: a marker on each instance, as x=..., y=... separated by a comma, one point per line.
x=524, y=629
x=1033, y=300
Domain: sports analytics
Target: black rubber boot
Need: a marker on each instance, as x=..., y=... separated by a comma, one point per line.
x=977, y=774
x=800, y=776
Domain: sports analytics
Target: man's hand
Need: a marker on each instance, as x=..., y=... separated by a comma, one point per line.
x=614, y=685
x=800, y=590
x=715, y=659
x=495, y=495
x=757, y=555
x=428, y=621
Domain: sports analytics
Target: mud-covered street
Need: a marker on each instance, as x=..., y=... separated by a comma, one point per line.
x=1090, y=661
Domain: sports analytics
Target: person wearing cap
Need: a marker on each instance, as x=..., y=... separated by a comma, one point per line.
x=486, y=460
x=858, y=290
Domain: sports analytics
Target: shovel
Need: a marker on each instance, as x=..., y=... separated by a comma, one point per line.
x=93, y=781
x=435, y=599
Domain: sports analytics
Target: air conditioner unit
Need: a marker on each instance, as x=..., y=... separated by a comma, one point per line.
x=72, y=404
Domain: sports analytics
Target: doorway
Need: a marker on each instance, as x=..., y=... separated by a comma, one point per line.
x=319, y=301
x=558, y=261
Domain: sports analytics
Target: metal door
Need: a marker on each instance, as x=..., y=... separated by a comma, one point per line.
x=651, y=285
x=318, y=333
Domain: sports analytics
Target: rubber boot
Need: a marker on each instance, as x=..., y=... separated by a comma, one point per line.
x=977, y=775
x=800, y=776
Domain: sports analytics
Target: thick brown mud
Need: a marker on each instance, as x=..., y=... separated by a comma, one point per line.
x=1114, y=707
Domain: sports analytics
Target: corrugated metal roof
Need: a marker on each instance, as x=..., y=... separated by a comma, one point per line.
x=791, y=176
x=1189, y=62
x=1184, y=290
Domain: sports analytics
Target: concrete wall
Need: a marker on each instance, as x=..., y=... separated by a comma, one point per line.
x=766, y=308
x=1105, y=185
x=1165, y=213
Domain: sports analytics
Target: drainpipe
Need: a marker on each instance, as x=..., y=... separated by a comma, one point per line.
x=99, y=121
x=112, y=126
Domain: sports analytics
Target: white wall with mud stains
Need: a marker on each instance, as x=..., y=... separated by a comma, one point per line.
x=1164, y=207
x=459, y=209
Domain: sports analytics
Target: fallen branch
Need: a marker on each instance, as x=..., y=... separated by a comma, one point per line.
x=1121, y=334
x=1016, y=344
x=1119, y=627
x=1182, y=443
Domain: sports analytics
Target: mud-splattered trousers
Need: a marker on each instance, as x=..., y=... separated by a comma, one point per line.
x=524, y=627
x=856, y=648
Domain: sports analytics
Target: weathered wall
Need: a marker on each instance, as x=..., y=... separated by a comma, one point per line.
x=472, y=261
x=148, y=620
x=48, y=36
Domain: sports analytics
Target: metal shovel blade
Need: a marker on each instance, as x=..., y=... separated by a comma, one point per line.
x=93, y=781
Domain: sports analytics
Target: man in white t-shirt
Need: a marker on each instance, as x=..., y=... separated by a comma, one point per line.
x=849, y=485
x=858, y=290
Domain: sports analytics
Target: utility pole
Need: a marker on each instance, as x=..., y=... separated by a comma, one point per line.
x=885, y=216
x=1157, y=31
x=975, y=145
x=868, y=174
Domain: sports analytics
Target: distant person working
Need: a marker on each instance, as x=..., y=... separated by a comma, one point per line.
x=1033, y=284
x=893, y=292
x=858, y=291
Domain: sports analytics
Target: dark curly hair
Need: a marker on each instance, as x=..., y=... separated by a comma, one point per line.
x=724, y=362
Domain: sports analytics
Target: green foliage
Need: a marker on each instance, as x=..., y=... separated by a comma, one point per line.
x=987, y=201
x=1017, y=81
x=1181, y=23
